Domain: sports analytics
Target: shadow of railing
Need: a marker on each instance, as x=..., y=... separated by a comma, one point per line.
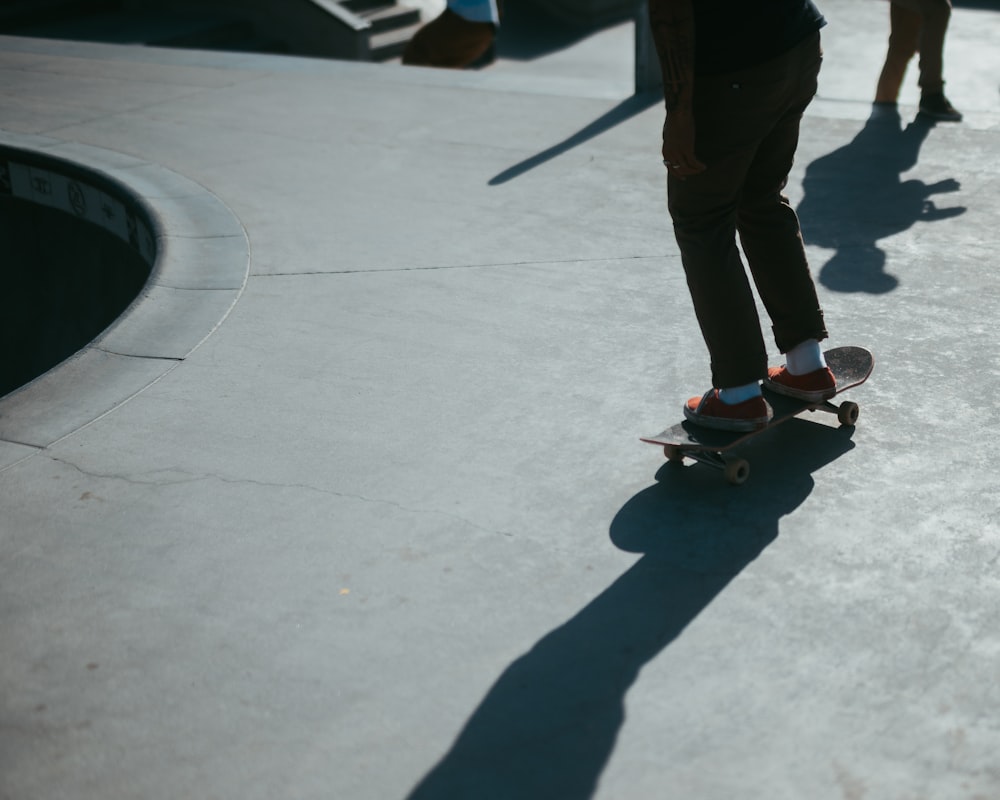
x=625, y=110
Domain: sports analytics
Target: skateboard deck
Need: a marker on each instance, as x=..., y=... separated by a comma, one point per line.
x=851, y=366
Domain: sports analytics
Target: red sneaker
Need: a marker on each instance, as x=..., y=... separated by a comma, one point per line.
x=812, y=387
x=711, y=412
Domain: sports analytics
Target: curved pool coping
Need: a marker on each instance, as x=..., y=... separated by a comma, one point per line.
x=202, y=261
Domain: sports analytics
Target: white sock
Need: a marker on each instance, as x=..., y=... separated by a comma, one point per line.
x=738, y=394
x=804, y=358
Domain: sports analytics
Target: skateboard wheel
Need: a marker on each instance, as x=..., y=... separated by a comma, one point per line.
x=673, y=453
x=737, y=471
x=848, y=413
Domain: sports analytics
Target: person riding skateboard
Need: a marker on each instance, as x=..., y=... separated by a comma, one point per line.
x=737, y=77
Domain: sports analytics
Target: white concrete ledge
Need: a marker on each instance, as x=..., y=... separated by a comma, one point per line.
x=201, y=264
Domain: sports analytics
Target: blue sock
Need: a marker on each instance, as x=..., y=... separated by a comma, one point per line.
x=739, y=394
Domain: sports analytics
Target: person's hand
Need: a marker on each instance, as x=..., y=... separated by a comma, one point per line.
x=678, y=146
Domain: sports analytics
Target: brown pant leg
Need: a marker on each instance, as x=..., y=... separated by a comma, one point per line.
x=915, y=25
x=904, y=39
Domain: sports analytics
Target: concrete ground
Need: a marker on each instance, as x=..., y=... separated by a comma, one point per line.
x=352, y=503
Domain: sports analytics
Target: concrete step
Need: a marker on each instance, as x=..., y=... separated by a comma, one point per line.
x=391, y=17
x=392, y=28
x=391, y=44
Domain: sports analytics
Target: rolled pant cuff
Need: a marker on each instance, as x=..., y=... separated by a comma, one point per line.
x=788, y=337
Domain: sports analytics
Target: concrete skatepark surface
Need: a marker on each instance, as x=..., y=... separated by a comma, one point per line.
x=351, y=504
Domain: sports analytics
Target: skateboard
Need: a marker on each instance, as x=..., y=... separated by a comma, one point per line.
x=851, y=367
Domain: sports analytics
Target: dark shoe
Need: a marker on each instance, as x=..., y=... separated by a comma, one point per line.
x=936, y=106
x=710, y=412
x=811, y=387
x=449, y=41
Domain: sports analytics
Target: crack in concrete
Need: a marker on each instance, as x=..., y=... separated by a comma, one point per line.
x=445, y=267
x=190, y=478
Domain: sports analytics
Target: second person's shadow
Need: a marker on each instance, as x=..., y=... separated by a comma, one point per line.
x=548, y=726
x=855, y=196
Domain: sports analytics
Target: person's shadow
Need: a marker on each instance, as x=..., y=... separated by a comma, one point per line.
x=854, y=197
x=548, y=726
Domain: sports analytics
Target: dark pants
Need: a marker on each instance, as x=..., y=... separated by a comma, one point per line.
x=747, y=131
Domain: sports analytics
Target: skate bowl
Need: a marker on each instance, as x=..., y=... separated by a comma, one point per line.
x=77, y=249
x=114, y=270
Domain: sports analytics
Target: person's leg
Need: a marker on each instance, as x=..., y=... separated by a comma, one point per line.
x=933, y=103
x=904, y=38
x=703, y=209
x=768, y=226
x=772, y=239
x=935, y=15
